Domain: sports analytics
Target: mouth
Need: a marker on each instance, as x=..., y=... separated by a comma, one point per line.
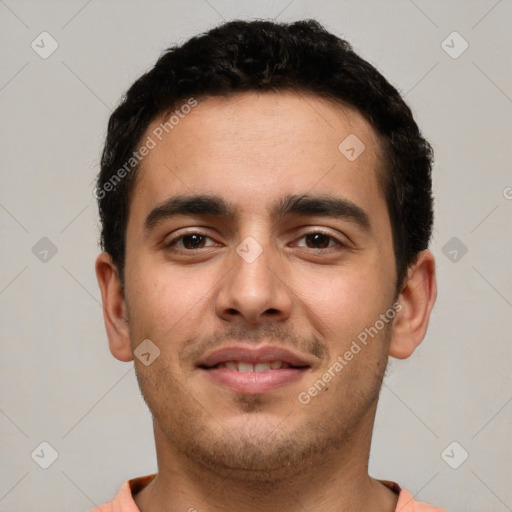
x=254, y=371
x=246, y=367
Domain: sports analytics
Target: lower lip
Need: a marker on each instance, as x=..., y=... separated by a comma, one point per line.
x=255, y=382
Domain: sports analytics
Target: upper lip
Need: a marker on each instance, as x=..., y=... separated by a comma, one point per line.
x=253, y=355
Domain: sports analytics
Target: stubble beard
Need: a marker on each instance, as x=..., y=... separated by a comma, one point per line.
x=266, y=454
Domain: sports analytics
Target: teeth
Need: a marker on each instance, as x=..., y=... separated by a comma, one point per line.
x=240, y=366
x=245, y=367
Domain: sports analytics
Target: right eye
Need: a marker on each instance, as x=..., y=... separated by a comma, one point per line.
x=188, y=241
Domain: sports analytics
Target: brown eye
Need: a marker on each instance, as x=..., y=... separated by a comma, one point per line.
x=193, y=241
x=189, y=242
x=317, y=241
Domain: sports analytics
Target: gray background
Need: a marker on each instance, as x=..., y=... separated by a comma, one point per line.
x=60, y=384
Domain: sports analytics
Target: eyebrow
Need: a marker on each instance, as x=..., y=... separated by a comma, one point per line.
x=290, y=205
x=205, y=205
x=322, y=205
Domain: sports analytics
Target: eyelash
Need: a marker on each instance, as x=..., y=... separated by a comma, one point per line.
x=339, y=244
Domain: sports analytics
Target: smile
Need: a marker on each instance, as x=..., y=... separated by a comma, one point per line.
x=242, y=366
x=246, y=369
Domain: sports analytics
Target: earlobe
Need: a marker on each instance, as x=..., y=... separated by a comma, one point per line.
x=417, y=300
x=115, y=313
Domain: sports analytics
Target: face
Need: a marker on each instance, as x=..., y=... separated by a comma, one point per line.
x=253, y=291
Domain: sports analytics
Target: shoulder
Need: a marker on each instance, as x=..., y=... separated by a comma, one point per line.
x=123, y=500
x=406, y=503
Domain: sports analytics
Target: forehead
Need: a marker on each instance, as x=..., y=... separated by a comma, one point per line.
x=254, y=148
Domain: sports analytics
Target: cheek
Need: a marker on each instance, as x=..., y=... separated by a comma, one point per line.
x=344, y=300
x=164, y=301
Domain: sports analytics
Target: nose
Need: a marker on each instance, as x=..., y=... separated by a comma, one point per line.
x=254, y=291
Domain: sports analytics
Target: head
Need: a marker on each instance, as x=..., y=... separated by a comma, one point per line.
x=262, y=185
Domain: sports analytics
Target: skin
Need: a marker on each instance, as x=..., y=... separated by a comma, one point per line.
x=219, y=450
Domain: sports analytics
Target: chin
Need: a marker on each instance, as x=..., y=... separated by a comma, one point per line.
x=254, y=458
x=262, y=449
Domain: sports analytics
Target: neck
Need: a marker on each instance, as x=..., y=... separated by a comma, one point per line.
x=334, y=481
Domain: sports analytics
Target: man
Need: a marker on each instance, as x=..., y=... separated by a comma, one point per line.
x=266, y=208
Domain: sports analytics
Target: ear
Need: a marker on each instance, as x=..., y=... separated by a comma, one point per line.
x=417, y=299
x=114, y=308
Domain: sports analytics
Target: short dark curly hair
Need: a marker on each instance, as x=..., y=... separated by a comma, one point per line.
x=303, y=56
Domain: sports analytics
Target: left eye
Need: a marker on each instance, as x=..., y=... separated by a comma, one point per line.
x=319, y=240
